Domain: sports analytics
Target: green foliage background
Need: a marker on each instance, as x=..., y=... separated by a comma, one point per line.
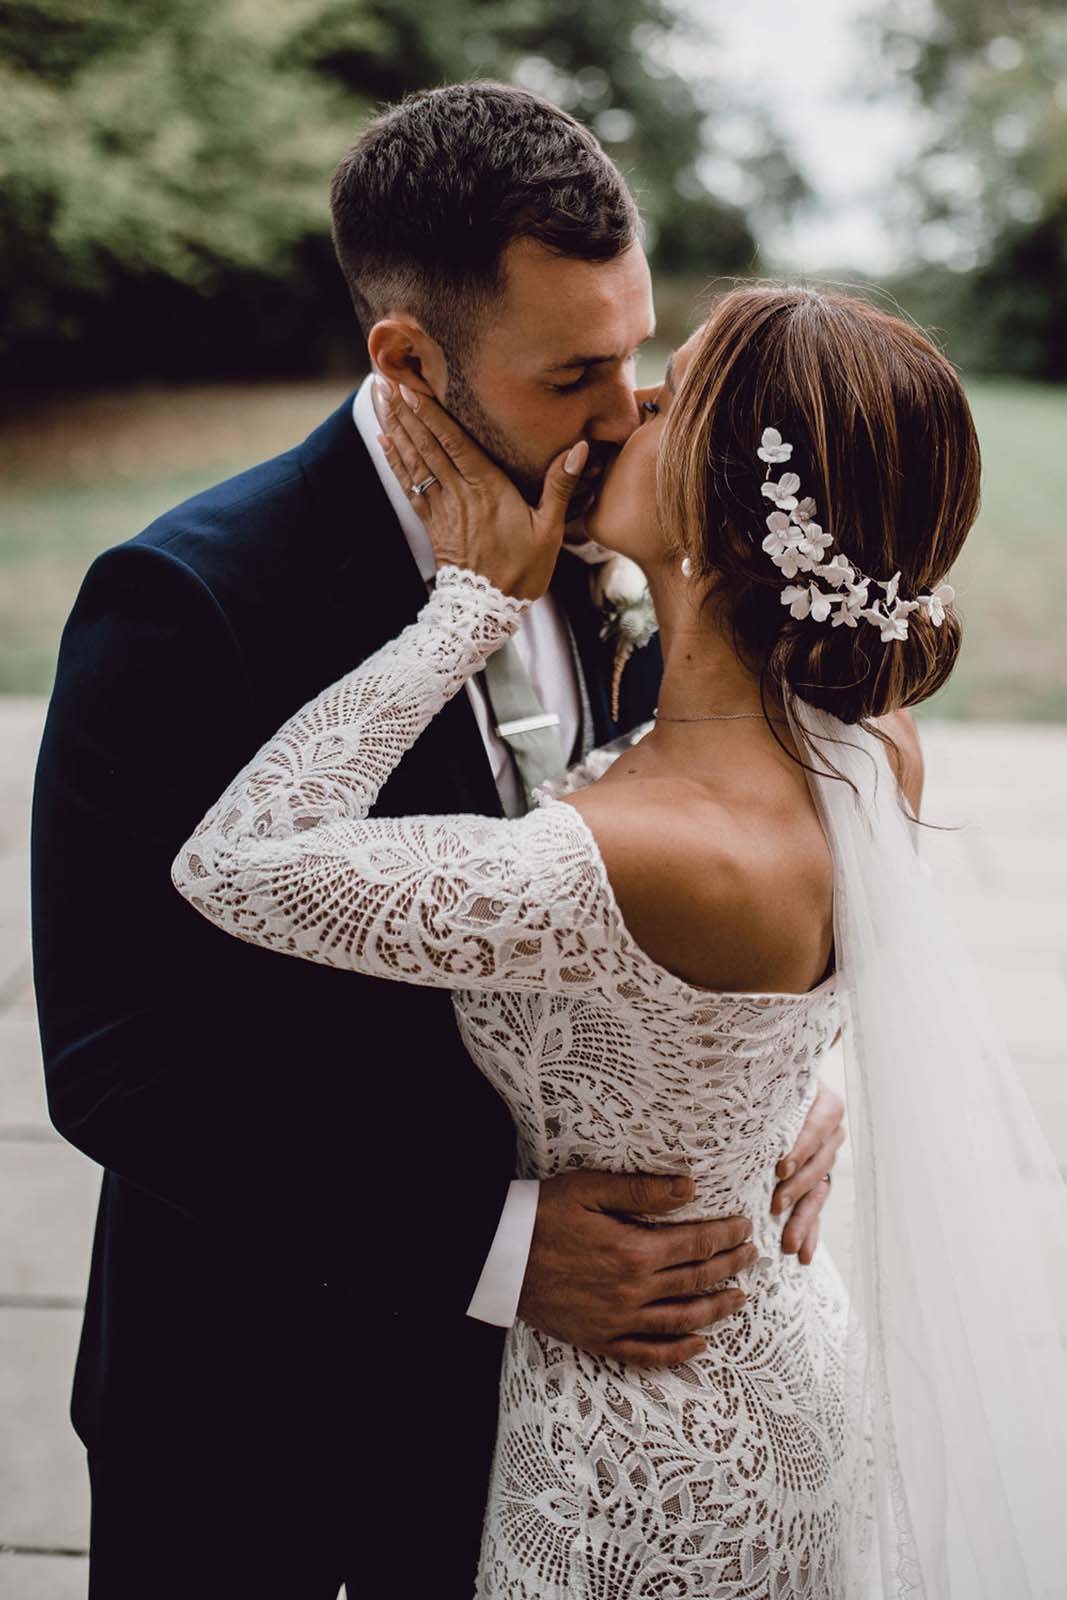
x=992, y=180
x=165, y=166
x=163, y=216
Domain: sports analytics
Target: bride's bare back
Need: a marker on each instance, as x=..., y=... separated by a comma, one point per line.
x=717, y=857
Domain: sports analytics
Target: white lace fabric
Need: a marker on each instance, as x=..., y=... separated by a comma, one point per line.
x=719, y=1478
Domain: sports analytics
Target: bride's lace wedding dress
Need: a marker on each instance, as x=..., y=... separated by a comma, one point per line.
x=722, y=1477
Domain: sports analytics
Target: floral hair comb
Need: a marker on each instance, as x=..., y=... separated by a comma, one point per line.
x=797, y=544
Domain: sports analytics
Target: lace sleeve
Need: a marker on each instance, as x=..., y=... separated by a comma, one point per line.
x=288, y=858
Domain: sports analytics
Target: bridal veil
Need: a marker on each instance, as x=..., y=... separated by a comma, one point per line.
x=957, y=1372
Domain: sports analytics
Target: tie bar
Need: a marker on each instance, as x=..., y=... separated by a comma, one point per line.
x=547, y=719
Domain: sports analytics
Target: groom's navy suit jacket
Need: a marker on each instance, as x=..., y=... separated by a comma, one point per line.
x=303, y=1168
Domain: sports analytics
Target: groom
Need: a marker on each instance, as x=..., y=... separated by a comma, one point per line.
x=308, y=1240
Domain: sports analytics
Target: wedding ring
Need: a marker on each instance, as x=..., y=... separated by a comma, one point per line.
x=421, y=488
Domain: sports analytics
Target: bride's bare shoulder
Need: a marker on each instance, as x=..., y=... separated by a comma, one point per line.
x=717, y=900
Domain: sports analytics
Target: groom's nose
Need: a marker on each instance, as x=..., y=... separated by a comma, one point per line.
x=616, y=415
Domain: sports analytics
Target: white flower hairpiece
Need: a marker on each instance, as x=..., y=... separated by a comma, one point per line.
x=771, y=447
x=797, y=544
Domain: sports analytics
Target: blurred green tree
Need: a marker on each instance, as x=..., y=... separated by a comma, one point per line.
x=610, y=62
x=990, y=190
x=154, y=157
x=165, y=165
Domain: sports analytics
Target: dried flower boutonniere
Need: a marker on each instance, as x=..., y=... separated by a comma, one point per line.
x=621, y=590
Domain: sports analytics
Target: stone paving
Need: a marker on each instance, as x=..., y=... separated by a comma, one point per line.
x=1006, y=873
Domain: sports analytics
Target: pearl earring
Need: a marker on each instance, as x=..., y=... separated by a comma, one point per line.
x=687, y=567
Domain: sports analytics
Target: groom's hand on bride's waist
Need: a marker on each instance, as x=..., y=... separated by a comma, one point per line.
x=617, y=1287
x=598, y=1279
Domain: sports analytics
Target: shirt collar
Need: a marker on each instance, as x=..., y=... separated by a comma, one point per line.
x=368, y=428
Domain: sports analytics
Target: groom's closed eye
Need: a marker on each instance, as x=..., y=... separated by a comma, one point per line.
x=590, y=366
x=570, y=388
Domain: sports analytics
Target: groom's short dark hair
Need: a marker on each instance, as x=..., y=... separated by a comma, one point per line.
x=434, y=190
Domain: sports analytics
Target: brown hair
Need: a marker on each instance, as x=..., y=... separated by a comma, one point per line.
x=436, y=187
x=883, y=440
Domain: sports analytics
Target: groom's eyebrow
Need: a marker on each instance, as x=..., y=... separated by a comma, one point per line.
x=591, y=361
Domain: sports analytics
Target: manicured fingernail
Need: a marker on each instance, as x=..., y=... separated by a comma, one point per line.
x=575, y=456
x=385, y=442
x=410, y=397
x=788, y=1168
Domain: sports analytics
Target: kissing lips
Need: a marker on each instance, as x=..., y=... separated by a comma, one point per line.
x=589, y=485
x=582, y=502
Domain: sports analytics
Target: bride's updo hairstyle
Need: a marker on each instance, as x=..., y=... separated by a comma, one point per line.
x=882, y=439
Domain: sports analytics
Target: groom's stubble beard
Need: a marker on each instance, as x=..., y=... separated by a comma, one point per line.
x=462, y=402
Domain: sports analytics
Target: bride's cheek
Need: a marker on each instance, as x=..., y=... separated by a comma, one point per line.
x=644, y=487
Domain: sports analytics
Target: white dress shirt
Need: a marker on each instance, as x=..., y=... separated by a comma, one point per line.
x=543, y=642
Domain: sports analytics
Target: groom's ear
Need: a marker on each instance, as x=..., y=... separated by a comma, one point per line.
x=401, y=350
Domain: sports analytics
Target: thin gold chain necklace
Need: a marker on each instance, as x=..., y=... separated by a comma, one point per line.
x=715, y=716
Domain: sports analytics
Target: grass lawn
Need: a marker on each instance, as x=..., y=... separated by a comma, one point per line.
x=1014, y=565
x=78, y=476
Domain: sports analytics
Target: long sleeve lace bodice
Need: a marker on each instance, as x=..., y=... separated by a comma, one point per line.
x=289, y=858
x=721, y=1477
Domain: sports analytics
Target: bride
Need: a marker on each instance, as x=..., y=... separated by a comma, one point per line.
x=650, y=966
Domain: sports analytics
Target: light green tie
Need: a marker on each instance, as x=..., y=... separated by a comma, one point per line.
x=521, y=721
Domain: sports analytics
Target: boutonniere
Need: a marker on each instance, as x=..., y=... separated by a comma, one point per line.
x=621, y=591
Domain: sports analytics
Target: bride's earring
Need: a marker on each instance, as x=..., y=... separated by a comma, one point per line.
x=687, y=567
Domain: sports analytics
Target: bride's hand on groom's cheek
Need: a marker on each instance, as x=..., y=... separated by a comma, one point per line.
x=805, y=1175
x=598, y=1280
x=473, y=513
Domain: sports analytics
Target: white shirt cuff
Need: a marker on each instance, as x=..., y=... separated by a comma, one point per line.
x=496, y=1298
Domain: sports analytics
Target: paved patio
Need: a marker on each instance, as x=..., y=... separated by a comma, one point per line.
x=1006, y=872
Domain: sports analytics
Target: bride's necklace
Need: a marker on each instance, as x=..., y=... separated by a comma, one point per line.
x=714, y=716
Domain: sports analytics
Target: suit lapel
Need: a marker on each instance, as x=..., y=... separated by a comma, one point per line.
x=373, y=590
x=571, y=584
x=376, y=590
x=571, y=587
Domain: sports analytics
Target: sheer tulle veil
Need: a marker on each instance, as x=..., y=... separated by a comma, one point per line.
x=957, y=1377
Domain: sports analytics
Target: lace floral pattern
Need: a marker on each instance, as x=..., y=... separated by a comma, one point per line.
x=720, y=1478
